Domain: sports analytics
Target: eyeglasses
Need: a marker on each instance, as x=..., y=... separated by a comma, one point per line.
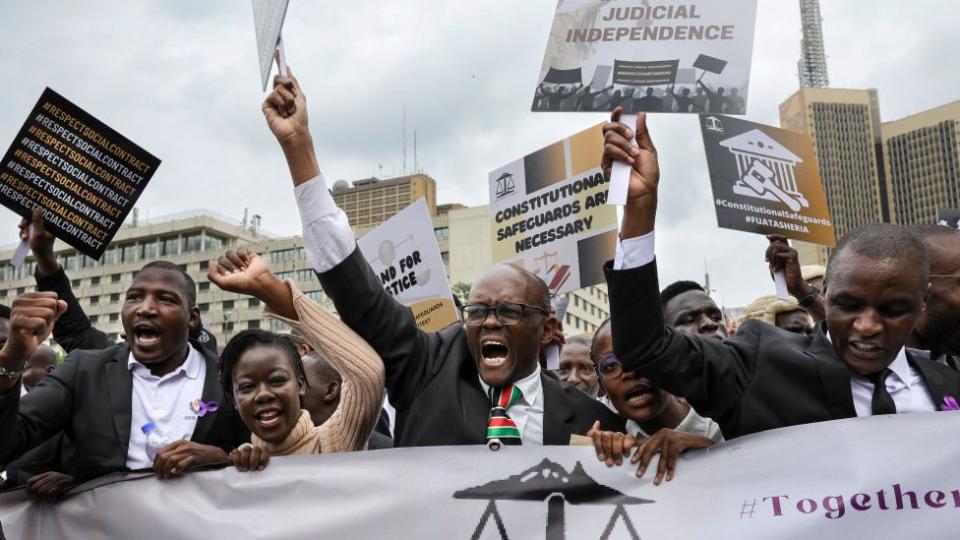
x=608, y=366
x=508, y=313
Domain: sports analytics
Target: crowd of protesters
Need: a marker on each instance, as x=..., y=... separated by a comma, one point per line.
x=873, y=333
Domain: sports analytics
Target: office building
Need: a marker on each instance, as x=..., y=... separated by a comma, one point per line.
x=922, y=160
x=371, y=201
x=844, y=126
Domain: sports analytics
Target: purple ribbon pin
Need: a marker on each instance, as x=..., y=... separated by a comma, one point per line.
x=201, y=407
x=949, y=404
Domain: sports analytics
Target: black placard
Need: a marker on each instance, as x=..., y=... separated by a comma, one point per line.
x=645, y=73
x=84, y=175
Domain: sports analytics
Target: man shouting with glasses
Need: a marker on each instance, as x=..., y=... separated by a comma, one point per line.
x=473, y=383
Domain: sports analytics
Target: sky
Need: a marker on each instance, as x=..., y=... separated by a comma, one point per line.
x=181, y=80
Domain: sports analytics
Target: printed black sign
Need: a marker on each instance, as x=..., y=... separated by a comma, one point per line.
x=709, y=63
x=85, y=176
x=645, y=73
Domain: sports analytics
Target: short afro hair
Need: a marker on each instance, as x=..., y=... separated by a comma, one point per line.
x=882, y=241
x=677, y=288
x=249, y=339
x=190, y=289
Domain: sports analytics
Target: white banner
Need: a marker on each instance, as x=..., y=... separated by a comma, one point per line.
x=879, y=477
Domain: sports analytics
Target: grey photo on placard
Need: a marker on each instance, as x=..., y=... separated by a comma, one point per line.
x=949, y=217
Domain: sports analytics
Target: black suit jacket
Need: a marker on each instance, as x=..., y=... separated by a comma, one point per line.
x=431, y=377
x=89, y=398
x=762, y=378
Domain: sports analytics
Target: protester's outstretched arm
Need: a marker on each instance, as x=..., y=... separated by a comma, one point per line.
x=710, y=375
x=347, y=278
x=73, y=329
x=243, y=272
x=780, y=256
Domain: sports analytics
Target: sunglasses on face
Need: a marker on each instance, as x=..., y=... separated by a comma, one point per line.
x=507, y=313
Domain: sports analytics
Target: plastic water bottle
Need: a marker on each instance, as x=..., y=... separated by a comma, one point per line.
x=155, y=439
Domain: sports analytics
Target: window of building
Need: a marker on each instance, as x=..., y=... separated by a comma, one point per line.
x=94, y=300
x=170, y=245
x=204, y=307
x=115, y=278
x=94, y=281
x=110, y=256
x=150, y=251
x=228, y=327
x=285, y=275
x=443, y=233
x=129, y=253
x=278, y=326
x=282, y=255
x=204, y=265
x=114, y=298
x=253, y=302
x=316, y=296
x=69, y=262
x=203, y=286
x=114, y=317
x=228, y=304
x=192, y=242
x=253, y=324
x=304, y=275
x=213, y=243
x=3, y=293
x=75, y=283
x=94, y=319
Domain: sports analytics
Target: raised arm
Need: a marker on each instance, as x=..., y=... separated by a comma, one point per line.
x=73, y=329
x=357, y=293
x=359, y=365
x=710, y=375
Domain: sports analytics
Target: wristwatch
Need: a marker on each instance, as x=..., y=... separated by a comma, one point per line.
x=807, y=300
x=12, y=373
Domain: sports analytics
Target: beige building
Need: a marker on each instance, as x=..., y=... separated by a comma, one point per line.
x=845, y=128
x=372, y=201
x=922, y=161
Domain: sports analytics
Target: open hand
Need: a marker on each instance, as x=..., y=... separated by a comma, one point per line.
x=669, y=444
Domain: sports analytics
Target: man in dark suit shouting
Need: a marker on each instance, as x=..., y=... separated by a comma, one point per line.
x=472, y=383
x=763, y=377
x=101, y=398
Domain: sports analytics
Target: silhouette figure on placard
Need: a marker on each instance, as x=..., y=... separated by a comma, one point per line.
x=684, y=101
x=715, y=99
x=586, y=100
x=616, y=100
x=648, y=102
x=554, y=99
x=699, y=101
x=735, y=103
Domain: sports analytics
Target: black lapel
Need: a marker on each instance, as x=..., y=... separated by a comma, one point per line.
x=936, y=382
x=212, y=391
x=474, y=403
x=120, y=394
x=834, y=376
x=557, y=413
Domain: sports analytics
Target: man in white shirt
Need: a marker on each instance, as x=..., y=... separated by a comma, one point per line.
x=764, y=377
x=475, y=383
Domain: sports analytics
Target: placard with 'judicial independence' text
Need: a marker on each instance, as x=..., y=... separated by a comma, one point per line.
x=85, y=176
x=672, y=56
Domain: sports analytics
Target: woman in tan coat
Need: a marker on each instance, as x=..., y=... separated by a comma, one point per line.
x=264, y=375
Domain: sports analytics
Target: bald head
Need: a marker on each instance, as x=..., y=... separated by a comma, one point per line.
x=522, y=283
x=42, y=362
x=322, y=395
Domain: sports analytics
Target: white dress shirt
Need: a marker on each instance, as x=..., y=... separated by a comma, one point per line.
x=327, y=237
x=692, y=423
x=905, y=385
x=907, y=388
x=166, y=401
x=527, y=412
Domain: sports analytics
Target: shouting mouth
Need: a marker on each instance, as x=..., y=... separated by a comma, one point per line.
x=493, y=352
x=866, y=350
x=146, y=335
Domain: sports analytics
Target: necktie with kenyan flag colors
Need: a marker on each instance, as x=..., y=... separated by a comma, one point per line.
x=501, y=427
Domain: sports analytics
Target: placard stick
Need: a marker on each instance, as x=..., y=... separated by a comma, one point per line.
x=620, y=171
x=21, y=253
x=281, y=58
x=780, y=282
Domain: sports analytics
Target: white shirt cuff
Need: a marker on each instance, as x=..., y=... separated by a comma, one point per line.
x=634, y=252
x=327, y=237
